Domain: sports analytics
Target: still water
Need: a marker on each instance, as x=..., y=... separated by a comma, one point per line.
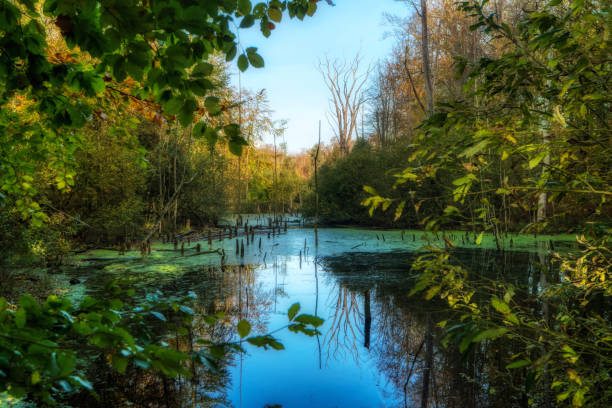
x=372, y=348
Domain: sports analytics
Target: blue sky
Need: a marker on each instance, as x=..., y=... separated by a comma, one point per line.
x=294, y=85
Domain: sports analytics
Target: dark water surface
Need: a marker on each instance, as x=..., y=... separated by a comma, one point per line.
x=374, y=344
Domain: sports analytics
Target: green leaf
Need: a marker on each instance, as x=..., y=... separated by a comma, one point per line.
x=203, y=69
x=399, y=210
x=243, y=62
x=312, y=8
x=232, y=130
x=235, y=146
x=518, y=364
x=293, y=311
x=198, y=130
x=211, y=136
x=247, y=21
x=98, y=84
x=20, y=318
x=173, y=105
x=369, y=190
x=479, y=238
x=314, y=321
x=432, y=291
x=244, y=328
x=450, y=210
x=489, y=334
x=186, y=114
x=477, y=148
x=500, y=305
x=244, y=6
x=254, y=58
x=537, y=159
x=212, y=105
x=275, y=14
x=259, y=341
x=511, y=317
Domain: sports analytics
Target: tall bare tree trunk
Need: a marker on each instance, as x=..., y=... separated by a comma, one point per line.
x=426, y=63
x=275, y=201
x=316, y=158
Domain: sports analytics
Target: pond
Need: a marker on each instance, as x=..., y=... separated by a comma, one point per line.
x=378, y=346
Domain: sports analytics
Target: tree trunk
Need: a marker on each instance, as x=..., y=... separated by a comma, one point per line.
x=426, y=64
x=316, y=158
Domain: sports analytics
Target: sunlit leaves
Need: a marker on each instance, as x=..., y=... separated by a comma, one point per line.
x=165, y=62
x=533, y=162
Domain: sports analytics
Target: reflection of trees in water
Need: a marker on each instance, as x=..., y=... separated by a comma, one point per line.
x=345, y=329
x=405, y=341
x=230, y=290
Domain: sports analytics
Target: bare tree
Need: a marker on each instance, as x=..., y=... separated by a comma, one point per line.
x=429, y=94
x=345, y=83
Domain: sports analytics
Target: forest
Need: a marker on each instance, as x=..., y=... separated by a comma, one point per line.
x=161, y=244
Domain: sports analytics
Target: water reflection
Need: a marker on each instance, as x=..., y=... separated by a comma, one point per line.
x=378, y=348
